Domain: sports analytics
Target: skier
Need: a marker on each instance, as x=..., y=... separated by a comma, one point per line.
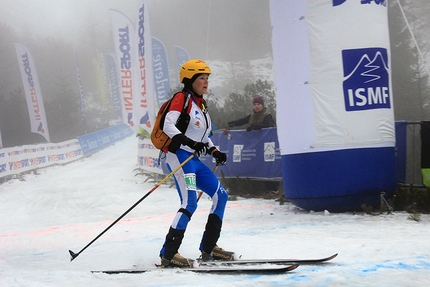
x=194, y=74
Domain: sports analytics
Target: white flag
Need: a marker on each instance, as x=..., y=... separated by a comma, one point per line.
x=145, y=96
x=81, y=95
x=32, y=90
x=123, y=38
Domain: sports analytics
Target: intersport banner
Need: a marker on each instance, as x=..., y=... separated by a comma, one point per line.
x=161, y=72
x=30, y=80
x=125, y=51
x=333, y=83
x=145, y=96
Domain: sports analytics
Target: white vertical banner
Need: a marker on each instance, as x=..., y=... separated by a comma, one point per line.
x=332, y=74
x=161, y=72
x=145, y=96
x=333, y=81
x=32, y=91
x=350, y=73
x=123, y=39
x=81, y=95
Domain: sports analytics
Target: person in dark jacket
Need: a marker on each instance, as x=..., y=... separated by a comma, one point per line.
x=258, y=119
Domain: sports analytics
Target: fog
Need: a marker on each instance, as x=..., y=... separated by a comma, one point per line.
x=208, y=29
x=227, y=33
x=56, y=30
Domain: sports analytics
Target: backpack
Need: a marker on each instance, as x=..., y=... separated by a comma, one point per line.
x=161, y=140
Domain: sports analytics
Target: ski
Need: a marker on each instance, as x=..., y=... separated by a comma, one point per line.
x=214, y=270
x=271, y=261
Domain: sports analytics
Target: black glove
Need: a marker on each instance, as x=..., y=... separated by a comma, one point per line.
x=231, y=124
x=250, y=128
x=220, y=157
x=199, y=147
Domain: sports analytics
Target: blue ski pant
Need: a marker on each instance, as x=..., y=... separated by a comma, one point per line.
x=192, y=175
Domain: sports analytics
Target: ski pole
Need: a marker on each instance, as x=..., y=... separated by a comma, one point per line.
x=201, y=192
x=74, y=255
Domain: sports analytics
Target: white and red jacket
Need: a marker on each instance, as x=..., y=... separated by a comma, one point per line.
x=199, y=127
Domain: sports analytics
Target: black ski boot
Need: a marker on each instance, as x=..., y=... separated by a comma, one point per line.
x=171, y=257
x=208, y=247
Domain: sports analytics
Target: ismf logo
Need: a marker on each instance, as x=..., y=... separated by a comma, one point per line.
x=237, y=152
x=269, y=151
x=365, y=79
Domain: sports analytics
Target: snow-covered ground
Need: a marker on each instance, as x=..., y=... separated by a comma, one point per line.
x=65, y=207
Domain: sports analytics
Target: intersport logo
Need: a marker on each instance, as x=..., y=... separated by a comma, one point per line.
x=366, y=79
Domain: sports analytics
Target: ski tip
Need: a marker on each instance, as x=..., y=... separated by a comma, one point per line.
x=73, y=255
x=292, y=267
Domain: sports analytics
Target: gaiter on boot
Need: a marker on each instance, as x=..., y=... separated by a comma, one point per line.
x=211, y=234
x=172, y=243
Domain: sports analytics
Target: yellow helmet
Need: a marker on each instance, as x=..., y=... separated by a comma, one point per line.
x=193, y=67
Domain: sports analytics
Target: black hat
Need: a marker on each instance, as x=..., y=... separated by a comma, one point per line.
x=188, y=84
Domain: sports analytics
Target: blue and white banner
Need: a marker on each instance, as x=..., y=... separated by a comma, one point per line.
x=145, y=96
x=98, y=140
x=33, y=93
x=114, y=87
x=253, y=154
x=161, y=72
x=125, y=51
x=16, y=160
x=350, y=73
x=333, y=82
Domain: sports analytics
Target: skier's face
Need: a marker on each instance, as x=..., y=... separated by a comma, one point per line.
x=200, y=85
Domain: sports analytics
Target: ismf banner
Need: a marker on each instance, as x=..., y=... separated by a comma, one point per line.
x=161, y=72
x=253, y=154
x=123, y=39
x=333, y=82
x=30, y=80
x=144, y=101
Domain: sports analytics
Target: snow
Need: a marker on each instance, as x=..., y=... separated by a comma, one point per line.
x=65, y=207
